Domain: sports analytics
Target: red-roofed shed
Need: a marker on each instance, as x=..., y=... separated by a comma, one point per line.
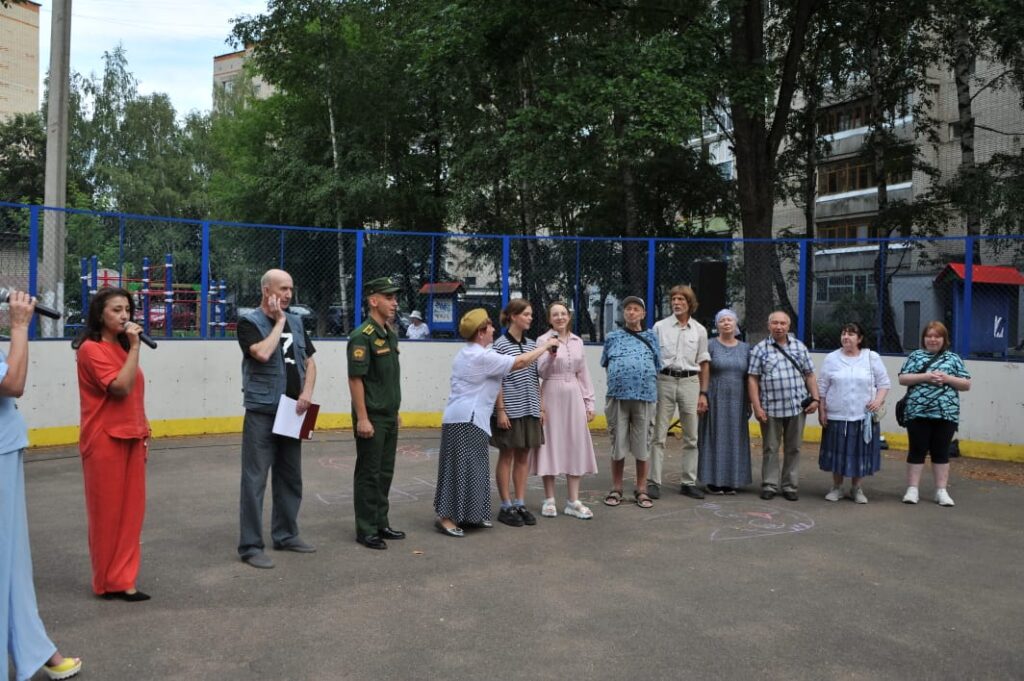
x=442, y=287
x=984, y=274
x=442, y=305
x=983, y=322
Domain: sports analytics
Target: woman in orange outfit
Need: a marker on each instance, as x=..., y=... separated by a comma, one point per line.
x=113, y=442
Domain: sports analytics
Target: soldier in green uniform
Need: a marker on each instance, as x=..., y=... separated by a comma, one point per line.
x=374, y=383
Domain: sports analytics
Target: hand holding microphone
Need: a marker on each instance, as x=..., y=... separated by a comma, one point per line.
x=22, y=307
x=7, y=294
x=133, y=330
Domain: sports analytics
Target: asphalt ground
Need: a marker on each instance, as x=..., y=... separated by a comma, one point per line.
x=727, y=588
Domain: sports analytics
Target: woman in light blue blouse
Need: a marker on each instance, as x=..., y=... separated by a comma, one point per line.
x=934, y=377
x=724, y=435
x=21, y=630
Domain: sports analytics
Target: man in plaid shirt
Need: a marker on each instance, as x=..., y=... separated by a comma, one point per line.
x=778, y=385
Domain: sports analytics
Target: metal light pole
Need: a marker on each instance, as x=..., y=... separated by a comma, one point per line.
x=51, y=286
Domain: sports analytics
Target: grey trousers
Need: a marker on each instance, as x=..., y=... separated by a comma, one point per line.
x=790, y=431
x=262, y=451
x=683, y=393
x=630, y=423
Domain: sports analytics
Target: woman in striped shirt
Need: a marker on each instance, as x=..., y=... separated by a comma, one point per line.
x=518, y=416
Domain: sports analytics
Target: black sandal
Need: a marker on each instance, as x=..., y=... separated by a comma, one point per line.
x=613, y=498
x=642, y=499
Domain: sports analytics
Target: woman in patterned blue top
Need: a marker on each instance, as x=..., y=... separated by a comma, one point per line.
x=934, y=378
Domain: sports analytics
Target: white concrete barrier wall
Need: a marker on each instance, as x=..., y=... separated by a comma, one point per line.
x=194, y=387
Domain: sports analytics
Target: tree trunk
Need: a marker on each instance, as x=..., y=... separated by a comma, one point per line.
x=342, y=268
x=888, y=336
x=533, y=289
x=810, y=211
x=964, y=57
x=757, y=145
x=634, y=252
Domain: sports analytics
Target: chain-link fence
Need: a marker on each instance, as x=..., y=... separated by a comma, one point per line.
x=194, y=279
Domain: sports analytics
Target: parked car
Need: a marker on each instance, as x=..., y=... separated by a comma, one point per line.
x=183, y=316
x=335, y=322
x=306, y=314
x=336, y=327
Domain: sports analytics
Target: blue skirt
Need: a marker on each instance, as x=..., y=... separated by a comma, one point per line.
x=844, y=452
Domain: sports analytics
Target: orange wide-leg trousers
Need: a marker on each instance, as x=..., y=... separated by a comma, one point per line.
x=115, y=500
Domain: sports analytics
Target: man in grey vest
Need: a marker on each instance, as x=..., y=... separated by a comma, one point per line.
x=277, y=359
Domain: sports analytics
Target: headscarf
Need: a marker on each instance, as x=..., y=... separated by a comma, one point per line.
x=726, y=312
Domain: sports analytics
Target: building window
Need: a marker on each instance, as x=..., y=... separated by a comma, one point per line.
x=836, y=287
x=855, y=173
x=847, y=116
x=725, y=170
x=847, y=230
x=719, y=121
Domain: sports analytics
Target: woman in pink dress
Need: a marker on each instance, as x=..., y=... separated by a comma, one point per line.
x=568, y=399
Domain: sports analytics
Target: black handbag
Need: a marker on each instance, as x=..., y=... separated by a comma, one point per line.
x=901, y=404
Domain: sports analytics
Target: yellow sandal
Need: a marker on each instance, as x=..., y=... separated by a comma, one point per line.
x=65, y=670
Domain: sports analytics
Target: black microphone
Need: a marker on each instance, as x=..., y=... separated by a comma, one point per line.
x=144, y=337
x=5, y=295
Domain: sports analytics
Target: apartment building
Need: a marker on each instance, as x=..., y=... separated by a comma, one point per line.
x=847, y=203
x=19, y=59
x=229, y=74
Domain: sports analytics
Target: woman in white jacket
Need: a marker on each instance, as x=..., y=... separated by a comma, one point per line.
x=852, y=385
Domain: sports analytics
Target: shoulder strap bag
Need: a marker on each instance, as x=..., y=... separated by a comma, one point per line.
x=778, y=347
x=901, y=405
x=807, y=401
x=636, y=334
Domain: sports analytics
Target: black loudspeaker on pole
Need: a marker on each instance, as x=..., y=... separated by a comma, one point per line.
x=709, y=284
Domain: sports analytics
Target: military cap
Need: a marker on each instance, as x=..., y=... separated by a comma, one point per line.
x=380, y=285
x=471, y=322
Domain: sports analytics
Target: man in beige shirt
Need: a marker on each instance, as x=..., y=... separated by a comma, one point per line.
x=682, y=383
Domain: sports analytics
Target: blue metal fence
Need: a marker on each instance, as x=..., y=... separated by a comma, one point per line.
x=211, y=272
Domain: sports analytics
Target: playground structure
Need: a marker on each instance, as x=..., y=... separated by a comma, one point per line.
x=162, y=303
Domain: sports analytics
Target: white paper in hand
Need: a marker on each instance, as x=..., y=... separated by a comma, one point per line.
x=287, y=422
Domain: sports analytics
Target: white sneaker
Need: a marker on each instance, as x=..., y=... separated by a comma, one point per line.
x=577, y=510
x=858, y=495
x=835, y=494
x=911, y=496
x=942, y=497
x=548, y=509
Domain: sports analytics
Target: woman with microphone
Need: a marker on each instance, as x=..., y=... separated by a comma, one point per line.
x=113, y=442
x=22, y=633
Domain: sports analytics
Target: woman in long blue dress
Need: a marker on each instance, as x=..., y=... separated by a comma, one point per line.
x=21, y=630
x=724, y=440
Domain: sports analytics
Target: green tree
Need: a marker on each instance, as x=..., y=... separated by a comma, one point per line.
x=762, y=46
x=22, y=158
x=966, y=33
